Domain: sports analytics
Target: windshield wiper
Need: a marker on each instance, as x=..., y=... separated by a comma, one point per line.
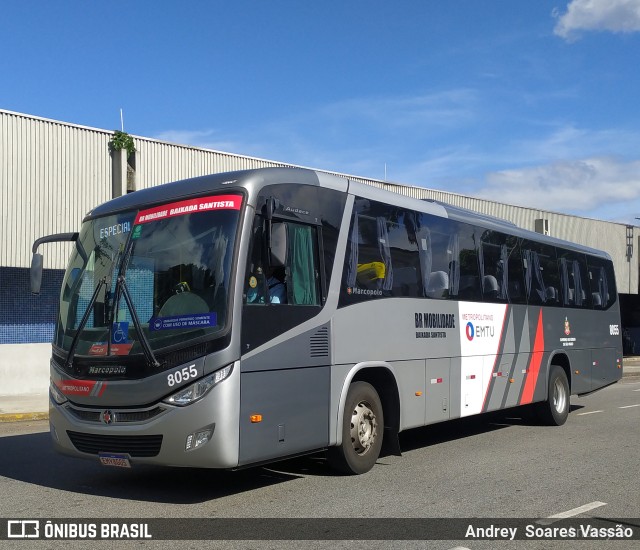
x=83, y=322
x=122, y=261
x=144, y=342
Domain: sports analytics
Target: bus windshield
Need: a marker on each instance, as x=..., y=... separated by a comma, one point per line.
x=164, y=271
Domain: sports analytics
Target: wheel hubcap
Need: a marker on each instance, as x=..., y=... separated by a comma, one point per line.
x=364, y=427
x=559, y=396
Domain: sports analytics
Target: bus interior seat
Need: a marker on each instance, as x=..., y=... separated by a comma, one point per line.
x=552, y=294
x=371, y=272
x=490, y=286
x=438, y=286
x=597, y=300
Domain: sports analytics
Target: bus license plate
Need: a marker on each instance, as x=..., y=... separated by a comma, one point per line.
x=119, y=461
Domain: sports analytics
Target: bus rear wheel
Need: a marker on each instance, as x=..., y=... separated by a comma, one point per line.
x=555, y=410
x=362, y=429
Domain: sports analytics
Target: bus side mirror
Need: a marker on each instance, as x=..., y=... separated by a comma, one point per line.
x=36, y=273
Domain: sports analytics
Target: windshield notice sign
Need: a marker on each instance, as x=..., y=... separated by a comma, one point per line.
x=183, y=321
x=202, y=204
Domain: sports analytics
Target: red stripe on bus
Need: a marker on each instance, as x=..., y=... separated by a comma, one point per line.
x=534, y=364
x=79, y=387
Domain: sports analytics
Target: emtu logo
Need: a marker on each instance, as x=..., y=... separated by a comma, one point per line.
x=470, y=331
x=480, y=331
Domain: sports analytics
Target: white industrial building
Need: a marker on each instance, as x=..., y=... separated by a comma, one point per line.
x=52, y=173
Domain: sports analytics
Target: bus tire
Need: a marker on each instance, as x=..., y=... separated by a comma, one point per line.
x=362, y=429
x=555, y=410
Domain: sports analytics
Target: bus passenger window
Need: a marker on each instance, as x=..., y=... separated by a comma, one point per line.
x=501, y=267
x=372, y=253
x=464, y=264
x=437, y=247
x=540, y=273
x=601, y=282
x=573, y=276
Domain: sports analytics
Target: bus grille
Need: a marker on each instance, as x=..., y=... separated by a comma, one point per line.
x=133, y=445
x=119, y=416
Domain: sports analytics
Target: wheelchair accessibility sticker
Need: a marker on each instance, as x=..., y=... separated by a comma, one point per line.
x=120, y=333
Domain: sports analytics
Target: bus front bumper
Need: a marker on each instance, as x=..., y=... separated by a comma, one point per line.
x=160, y=434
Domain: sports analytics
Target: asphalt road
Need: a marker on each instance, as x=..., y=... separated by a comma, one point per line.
x=493, y=466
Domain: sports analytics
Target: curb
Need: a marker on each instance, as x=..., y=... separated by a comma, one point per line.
x=21, y=417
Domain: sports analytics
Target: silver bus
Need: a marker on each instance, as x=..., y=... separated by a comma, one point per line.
x=240, y=318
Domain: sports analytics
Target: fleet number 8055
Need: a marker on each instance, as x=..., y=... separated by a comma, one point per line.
x=182, y=375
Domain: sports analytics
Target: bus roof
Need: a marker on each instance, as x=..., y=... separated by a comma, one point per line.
x=242, y=179
x=253, y=180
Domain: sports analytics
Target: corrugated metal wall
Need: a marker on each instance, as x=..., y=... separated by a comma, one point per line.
x=158, y=162
x=52, y=173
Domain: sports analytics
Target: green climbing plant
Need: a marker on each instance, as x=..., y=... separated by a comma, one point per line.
x=122, y=140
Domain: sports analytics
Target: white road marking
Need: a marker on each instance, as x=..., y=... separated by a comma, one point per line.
x=571, y=513
x=629, y=406
x=590, y=412
x=460, y=548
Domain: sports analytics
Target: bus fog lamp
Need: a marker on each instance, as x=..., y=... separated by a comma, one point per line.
x=199, y=389
x=198, y=439
x=202, y=437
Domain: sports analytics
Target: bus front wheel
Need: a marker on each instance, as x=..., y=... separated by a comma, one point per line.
x=362, y=429
x=555, y=410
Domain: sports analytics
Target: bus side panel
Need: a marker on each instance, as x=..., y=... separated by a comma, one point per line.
x=294, y=407
x=410, y=376
x=580, y=361
x=482, y=330
x=510, y=367
x=438, y=390
x=587, y=339
x=605, y=366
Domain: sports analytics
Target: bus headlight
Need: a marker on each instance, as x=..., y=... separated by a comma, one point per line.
x=56, y=394
x=198, y=389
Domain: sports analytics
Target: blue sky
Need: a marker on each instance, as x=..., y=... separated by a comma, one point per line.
x=535, y=103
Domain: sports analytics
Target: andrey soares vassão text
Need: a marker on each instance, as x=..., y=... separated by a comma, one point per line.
x=581, y=531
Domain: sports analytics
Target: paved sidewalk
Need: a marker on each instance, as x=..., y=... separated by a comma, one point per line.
x=36, y=406
x=24, y=407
